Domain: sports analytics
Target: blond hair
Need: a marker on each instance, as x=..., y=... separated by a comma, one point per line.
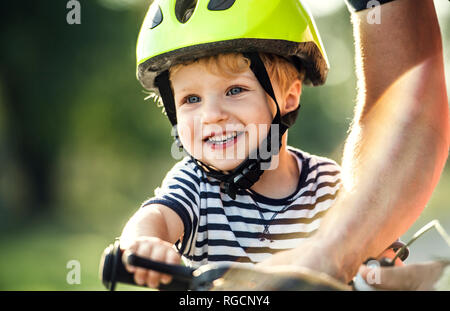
x=281, y=71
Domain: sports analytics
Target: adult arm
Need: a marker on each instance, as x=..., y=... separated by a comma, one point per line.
x=398, y=143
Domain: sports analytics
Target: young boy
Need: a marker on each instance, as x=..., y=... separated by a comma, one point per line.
x=231, y=90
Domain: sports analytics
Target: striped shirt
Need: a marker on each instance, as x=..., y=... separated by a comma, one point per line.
x=249, y=229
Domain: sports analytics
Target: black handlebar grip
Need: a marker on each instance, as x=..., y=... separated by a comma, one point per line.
x=178, y=272
x=112, y=270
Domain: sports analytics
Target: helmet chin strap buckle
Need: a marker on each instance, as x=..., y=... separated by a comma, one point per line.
x=243, y=180
x=230, y=189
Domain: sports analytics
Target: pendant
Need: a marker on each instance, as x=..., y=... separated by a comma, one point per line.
x=265, y=234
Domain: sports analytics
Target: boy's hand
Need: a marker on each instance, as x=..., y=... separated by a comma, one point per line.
x=155, y=249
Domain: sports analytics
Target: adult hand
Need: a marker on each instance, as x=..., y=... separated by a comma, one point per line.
x=313, y=255
x=413, y=277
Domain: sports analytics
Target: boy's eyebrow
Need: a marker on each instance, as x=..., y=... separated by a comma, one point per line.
x=250, y=78
x=194, y=86
x=233, y=79
x=187, y=89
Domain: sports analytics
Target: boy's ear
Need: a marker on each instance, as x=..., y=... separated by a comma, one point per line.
x=292, y=96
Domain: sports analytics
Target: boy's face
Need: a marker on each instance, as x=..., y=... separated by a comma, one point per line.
x=221, y=118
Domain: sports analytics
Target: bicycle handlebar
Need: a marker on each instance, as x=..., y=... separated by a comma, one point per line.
x=181, y=273
x=232, y=277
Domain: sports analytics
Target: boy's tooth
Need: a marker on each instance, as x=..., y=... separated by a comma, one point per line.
x=223, y=137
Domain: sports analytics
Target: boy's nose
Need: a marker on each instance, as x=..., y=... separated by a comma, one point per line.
x=212, y=111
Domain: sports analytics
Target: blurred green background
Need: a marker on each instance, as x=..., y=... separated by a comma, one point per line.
x=80, y=149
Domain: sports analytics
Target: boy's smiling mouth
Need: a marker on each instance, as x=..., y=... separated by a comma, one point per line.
x=223, y=140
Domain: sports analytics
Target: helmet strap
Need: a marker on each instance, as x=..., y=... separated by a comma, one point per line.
x=162, y=82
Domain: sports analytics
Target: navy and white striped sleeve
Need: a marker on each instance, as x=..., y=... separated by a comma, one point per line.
x=180, y=192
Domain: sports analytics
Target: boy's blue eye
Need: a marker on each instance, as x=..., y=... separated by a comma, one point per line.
x=193, y=99
x=235, y=91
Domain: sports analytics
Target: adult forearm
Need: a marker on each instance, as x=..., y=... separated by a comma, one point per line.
x=399, y=139
x=405, y=35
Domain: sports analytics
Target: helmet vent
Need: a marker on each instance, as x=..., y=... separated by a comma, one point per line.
x=157, y=16
x=220, y=5
x=184, y=9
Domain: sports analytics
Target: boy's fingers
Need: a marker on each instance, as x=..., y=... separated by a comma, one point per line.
x=129, y=268
x=132, y=249
x=172, y=258
x=140, y=275
x=158, y=254
x=154, y=251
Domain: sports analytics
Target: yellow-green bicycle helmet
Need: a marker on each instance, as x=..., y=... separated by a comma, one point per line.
x=175, y=31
